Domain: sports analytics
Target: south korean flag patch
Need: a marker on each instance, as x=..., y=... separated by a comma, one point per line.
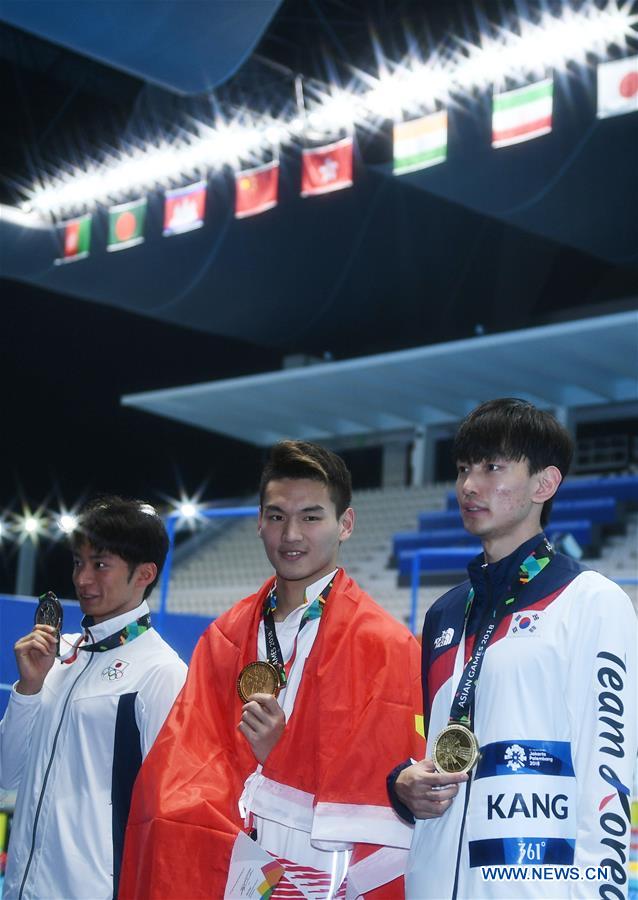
x=525, y=623
x=115, y=670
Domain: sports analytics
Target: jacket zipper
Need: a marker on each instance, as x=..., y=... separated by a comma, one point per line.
x=46, y=778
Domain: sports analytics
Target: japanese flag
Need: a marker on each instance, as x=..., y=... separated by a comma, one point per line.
x=618, y=87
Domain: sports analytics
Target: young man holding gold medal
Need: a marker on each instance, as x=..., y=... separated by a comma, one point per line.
x=529, y=672
x=270, y=770
x=86, y=709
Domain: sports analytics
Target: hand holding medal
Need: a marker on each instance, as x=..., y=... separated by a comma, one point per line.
x=50, y=612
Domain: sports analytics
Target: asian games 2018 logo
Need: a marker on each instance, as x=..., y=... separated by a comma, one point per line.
x=515, y=757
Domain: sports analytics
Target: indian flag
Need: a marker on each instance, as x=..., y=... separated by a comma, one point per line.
x=522, y=114
x=420, y=143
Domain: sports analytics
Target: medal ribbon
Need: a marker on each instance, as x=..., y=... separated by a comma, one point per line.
x=123, y=636
x=538, y=559
x=314, y=610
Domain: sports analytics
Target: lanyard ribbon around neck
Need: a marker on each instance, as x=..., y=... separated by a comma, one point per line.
x=314, y=610
x=465, y=693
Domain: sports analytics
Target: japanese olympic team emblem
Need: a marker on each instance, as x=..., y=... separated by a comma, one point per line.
x=115, y=670
x=515, y=757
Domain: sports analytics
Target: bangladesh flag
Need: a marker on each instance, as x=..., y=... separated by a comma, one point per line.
x=126, y=225
x=522, y=114
x=75, y=239
x=420, y=143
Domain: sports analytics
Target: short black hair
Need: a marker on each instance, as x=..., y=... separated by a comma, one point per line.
x=301, y=459
x=515, y=429
x=130, y=529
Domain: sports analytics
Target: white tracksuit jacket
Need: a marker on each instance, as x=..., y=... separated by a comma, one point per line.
x=72, y=752
x=556, y=721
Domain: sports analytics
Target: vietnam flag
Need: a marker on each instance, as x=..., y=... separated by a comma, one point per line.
x=328, y=168
x=617, y=87
x=76, y=239
x=256, y=190
x=126, y=224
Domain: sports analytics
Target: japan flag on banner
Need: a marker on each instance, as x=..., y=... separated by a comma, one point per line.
x=328, y=168
x=618, y=87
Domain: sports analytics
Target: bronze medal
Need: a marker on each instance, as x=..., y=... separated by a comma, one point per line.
x=456, y=749
x=258, y=678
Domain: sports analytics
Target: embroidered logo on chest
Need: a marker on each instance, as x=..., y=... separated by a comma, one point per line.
x=525, y=623
x=115, y=670
x=444, y=638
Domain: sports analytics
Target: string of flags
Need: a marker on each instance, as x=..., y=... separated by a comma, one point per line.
x=518, y=115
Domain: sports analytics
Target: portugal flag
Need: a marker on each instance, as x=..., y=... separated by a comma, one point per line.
x=126, y=224
x=256, y=190
x=617, y=87
x=75, y=239
x=328, y=168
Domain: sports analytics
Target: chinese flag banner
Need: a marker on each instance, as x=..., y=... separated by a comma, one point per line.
x=325, y=169
x=256, y=190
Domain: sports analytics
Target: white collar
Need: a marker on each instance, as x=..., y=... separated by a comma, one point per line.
x=111, y=626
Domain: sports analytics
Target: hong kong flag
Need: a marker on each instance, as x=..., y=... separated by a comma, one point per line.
x=256, y=189
x=328, y=168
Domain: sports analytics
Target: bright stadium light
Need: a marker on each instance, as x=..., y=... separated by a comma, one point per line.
x=31, y=525
x=187, y=510
x=67, y=523
x=415, y=84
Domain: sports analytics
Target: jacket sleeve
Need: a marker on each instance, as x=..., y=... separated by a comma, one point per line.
x=155, y=699
x=15, y=734
x=601, y=699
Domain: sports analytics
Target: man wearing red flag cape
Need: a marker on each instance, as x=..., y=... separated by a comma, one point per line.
x=296, y=701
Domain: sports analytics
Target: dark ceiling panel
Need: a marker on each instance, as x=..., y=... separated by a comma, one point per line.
x=188, y=46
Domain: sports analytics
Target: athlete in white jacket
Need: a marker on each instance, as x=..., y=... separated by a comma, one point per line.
x=538, y=659
x=78, y=725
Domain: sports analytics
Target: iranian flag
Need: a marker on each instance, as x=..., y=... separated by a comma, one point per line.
x=184, y=209
x=327, y=168
x=126, y=225
x=256, y=189
x=617, y=87
x=522, y=114
x=420, y=143
x=75, y=239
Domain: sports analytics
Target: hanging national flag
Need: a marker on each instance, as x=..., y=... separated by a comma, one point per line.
x=126, y=225
x=522, y=114
x=184, y=209
x=420, y=143
x=618, y=87
x=256, y=189
x=328, y=168
x=76, y=239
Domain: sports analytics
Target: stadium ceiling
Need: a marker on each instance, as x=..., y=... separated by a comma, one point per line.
x=491, y=239
x=584, y=363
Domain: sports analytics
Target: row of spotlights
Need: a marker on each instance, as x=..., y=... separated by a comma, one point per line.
x=33, y=526
x=551, y=42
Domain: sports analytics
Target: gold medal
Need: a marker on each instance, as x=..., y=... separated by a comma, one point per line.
x=456, y=749
x=258, y=678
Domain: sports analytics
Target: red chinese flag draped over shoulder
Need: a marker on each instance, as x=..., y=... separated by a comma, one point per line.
x=256, y=189
x=328, y=168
